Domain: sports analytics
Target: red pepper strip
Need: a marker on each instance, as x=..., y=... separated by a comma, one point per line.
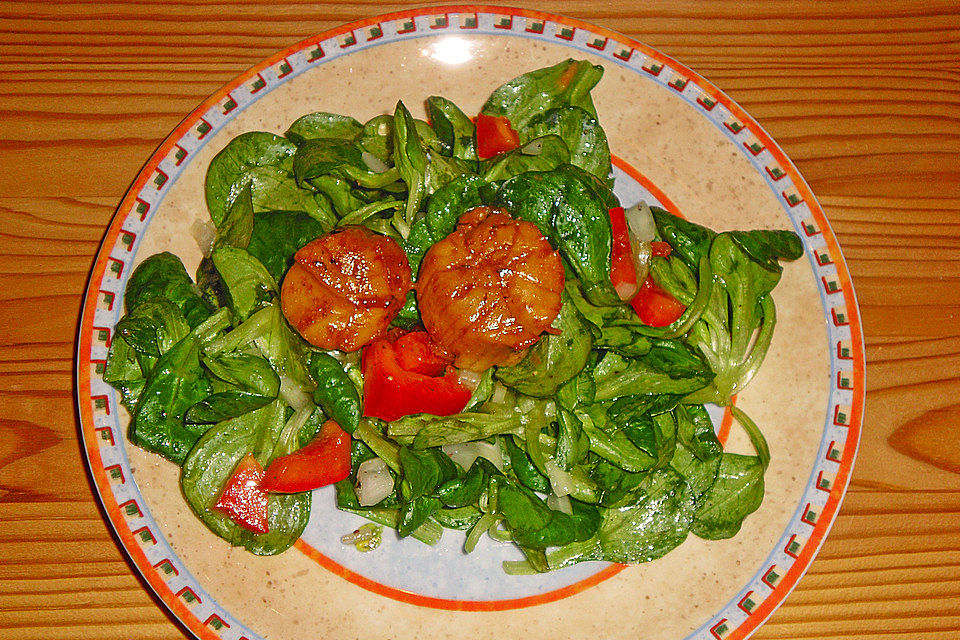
x=391, y=391
x=623, y=271
x=416, y=353
x=325, y=460
x=655, y=306
x=661, y=249
x=243, y=498
x=495, y=135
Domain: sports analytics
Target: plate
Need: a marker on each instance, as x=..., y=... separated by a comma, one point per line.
x=679, y=141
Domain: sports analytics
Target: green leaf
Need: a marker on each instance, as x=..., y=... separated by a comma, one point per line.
x=521, y=465
x=249, y=383
x=570, y=207
x=423, y=471
x=163, y=275
x=377, y=137
x=554, y=359
x=321, y=156
x=542, y=154
x=263, y=161
x=211, y=463
x=611, y=443
x=528, y=95
x=737, y=492
x=323, y=125
x=248, y=283
x=581, y=133
x=426, y=430
x=455, y=130
x=237, y=225
x=690, y=241
x=152, y=328
x=176, y=383
x=533, y=524
x=444, y=209
x=411, y=161
x=696, y=432
x=669, y=367
x=335, y=392
x=466, y=489
x=645, y=531
x=699, y=474
x=768, y=247
x=278, y=235
x=735, y=329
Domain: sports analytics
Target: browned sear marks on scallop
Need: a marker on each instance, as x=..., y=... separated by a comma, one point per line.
x=345, y=288
x=489, y=289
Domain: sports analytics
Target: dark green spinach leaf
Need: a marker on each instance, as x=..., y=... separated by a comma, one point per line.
x=570, y=207
x=527, y=96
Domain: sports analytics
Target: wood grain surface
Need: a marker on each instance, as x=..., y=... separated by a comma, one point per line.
x=864, y=97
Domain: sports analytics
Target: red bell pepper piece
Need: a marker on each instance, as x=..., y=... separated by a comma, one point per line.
x=655, y=306
x=243, y=498
x=416, y=353
x=623, y=270
x=397, y=379
x=495, y=135
x=660, y=249
x=324, y=460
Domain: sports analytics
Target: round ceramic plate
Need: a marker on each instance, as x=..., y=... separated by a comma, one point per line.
x=679, y=142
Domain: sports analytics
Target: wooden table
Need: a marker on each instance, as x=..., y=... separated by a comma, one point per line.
x=865, y=98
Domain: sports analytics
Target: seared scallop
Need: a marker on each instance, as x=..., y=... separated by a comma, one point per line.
x=489, y=289
x=345, y=288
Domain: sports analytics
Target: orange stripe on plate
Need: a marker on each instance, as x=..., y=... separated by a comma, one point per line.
x=454, y=605
x=647, y=184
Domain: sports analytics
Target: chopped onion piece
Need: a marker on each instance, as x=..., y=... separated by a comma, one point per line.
x=533, y=148
x=641, y=258
x=560, y=481
x=373, y=162
x=465, y=453
x=469, y=378
x=204, y=233
x=560, y=503
x=292, y=426
x=627, y=290
x=550, y=409
x=525, y=404
x=499, y=395
x=374, y=482
x=640, y=222
x=294, y=394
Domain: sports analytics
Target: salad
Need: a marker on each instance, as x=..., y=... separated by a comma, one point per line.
x=457, y=324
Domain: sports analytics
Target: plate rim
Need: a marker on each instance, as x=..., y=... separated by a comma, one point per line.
x=83, y=362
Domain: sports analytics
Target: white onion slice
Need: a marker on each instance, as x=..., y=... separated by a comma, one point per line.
x=466, y=453
x=641, y=259
x=294, y=394
x=640, y=222
x=499, y=395
x=560, y=481
x=560, y=503
x=373, y=162
x=469, y=378
x=374, y=482
x=204, y=233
